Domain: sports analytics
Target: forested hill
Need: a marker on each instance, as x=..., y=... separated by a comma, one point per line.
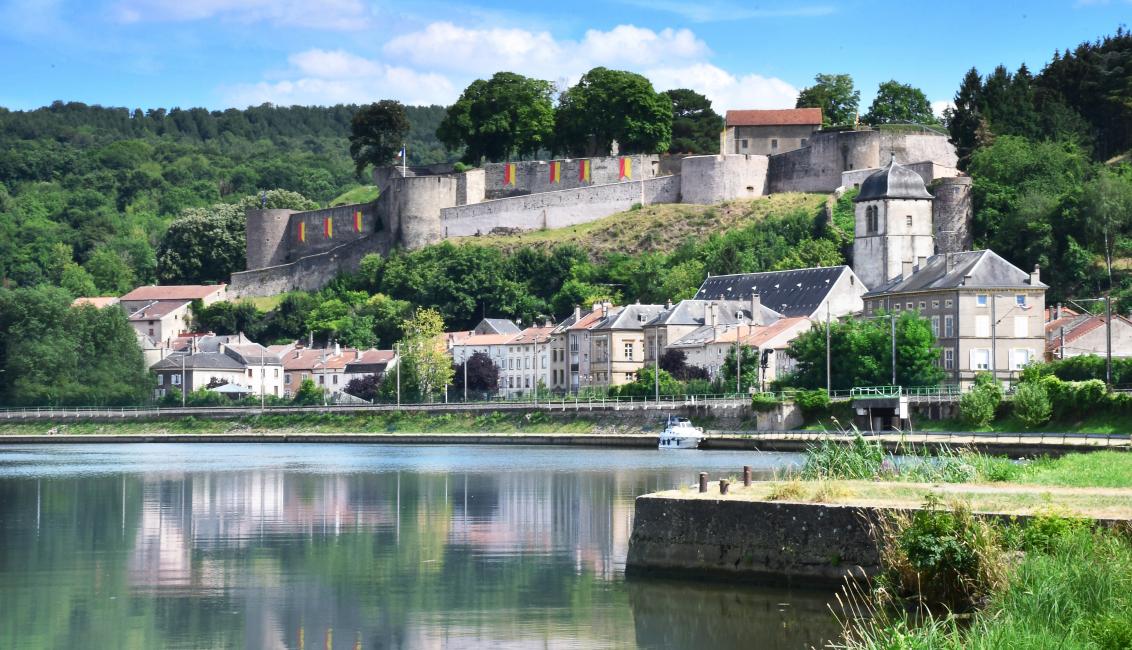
x=86, y=192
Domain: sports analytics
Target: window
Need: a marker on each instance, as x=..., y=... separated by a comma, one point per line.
x=286, y=379
x=743, y=144
x=305, y=375
x=510, y=382
x=277, y=373
x=774, y=143
x=526, y=382
x=935, y=304
x=981, y=300
x=923, y=305
x=322, y=380
x=151, y=331
x=1021, y=327
x=948, y=326
x=980, y=359
x=804, y=142
x=629, y=351
x=1019, y=358
x=510, y=363
x=176, y=380
x=908, y=221
x=1020, y=300
x=872, y=221
x=160, y=380
x=947, y=303
x=935, y=326
x=908, y=305
x=335, y=379
x=982, y=326
x=949, y=358
x=249, y=372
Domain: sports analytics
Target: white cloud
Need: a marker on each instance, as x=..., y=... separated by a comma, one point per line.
x=725, y=90
x=940, y=105
x=325, y=78
x=314, y=14
x=434, y=64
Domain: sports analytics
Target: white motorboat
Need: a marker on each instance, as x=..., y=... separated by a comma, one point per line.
x=679, y=433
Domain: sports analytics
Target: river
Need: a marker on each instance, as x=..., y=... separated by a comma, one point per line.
x=360, y=546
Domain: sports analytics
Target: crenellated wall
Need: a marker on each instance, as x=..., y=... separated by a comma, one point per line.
x=534, y=176
x=313, y=227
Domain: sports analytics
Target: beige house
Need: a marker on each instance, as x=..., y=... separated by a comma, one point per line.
x=768, y=132
x=688, y=316
x=1072, y=335
x=527, y=358
x=987, y=314
x=570, y=348
x=707, y=347
x=617, y=345
x=326, y=367
x=161, y=321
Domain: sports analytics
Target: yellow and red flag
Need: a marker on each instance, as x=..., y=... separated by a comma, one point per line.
x=509, y=174
x=626, y=168
x=584, y=171
x=357, y=220
x=328, y=227
x=302, y=232
x=555, y=172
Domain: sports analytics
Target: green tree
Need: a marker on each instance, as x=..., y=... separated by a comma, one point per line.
x=749, y=366
x=110, y=271
x=425, y=365
x=377, y=133
x=695, y=126
x=896, y=102
x=612, y=105
x=1106, y=210
x=1032, y=404
x=917, y=357
x=77, y=281
x=835, y=95
x=308, y=394
x=505, y=116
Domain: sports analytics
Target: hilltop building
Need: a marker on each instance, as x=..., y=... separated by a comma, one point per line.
x=768, y=132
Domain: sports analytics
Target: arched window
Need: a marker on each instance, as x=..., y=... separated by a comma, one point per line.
x=872, y=221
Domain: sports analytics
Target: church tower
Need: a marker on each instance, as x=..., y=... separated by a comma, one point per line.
x=893, y=225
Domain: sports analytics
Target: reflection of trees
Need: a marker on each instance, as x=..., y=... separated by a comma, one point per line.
x=276, y=558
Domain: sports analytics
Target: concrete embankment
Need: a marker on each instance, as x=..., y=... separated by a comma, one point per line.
x=747, y=537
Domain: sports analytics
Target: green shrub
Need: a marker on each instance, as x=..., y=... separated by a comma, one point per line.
x=764, y=402
x=308, y=394
x=1047, y=531
x=1032, y=404
x=978, y=405
x=812, y=401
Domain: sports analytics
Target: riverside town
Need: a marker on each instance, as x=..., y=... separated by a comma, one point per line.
x=632, y=325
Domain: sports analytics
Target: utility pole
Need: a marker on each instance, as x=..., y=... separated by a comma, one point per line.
x=1108, y=341
x=738, y=361
x=892, y=322
x=465, y=377
x=262, y=379
x=656, y=361
x=397, y=357
x=828, y=376
x=993, y=339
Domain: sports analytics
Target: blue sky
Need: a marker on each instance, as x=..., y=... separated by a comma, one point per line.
x=222, y=53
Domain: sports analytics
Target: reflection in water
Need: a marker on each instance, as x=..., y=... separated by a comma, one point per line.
x=367, y=546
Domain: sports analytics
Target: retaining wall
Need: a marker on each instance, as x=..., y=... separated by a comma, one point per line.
x=556, y=209
x=315, y=239
x=309, y=273
x=710, y=179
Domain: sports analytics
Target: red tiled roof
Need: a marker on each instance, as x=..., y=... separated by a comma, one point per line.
x=174, y=292
x=777, y=117
x=98, y=301
x=532, y=335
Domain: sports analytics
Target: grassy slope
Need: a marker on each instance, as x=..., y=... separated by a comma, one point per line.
x=660, y=227
x=359, y=194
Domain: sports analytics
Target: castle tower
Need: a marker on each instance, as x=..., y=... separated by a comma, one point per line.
x=267, y=237
x=893, y=227
x=951, y=214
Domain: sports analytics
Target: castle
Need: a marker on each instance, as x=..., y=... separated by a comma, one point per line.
x=418, y=206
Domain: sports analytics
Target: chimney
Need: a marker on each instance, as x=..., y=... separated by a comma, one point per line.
x=604, y=310
x=1058, y=312
x=906, y=268
x=337, y=349
x=756, y=309
x=668, y=304
x=357, y=354
x=951, y=261
x=597, y=306
x=1036, y=275
x=709, y=314
x=921, y=262
x=577, y=313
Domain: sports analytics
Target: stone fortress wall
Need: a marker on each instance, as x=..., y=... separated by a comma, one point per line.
x=419, y=206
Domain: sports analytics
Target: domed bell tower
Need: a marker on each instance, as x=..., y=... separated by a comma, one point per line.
x=893, y=225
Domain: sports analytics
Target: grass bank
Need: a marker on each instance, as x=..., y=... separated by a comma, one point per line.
x=341, y=423
x=1110, y=423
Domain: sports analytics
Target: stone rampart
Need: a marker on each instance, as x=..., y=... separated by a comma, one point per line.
x=711, y=179
x=951, y=214
x=319, y=231
x=309, y=273
x=557, y=209
x=534, y=176
x=266, y=232
x=928, y=170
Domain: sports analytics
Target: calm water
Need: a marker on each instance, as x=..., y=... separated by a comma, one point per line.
x=359, y=546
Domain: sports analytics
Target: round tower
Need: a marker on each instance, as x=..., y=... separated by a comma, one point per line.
x=416, y=203
x=951, y=213
x=267, y=237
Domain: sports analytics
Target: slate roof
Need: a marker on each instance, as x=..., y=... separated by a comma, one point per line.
x=252, y=354
x=174, y=292
x=629, y=317
x=496, y=326
x=797, y=292
x=157, y=309
x=199, y=361
x=371, y=361
x=691, y=312
x=969, y=270
x=777, y=117
x=893, y=181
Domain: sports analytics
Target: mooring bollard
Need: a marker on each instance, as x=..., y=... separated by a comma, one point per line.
x=746, y=476
x=723, y=484
x=703, y=482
